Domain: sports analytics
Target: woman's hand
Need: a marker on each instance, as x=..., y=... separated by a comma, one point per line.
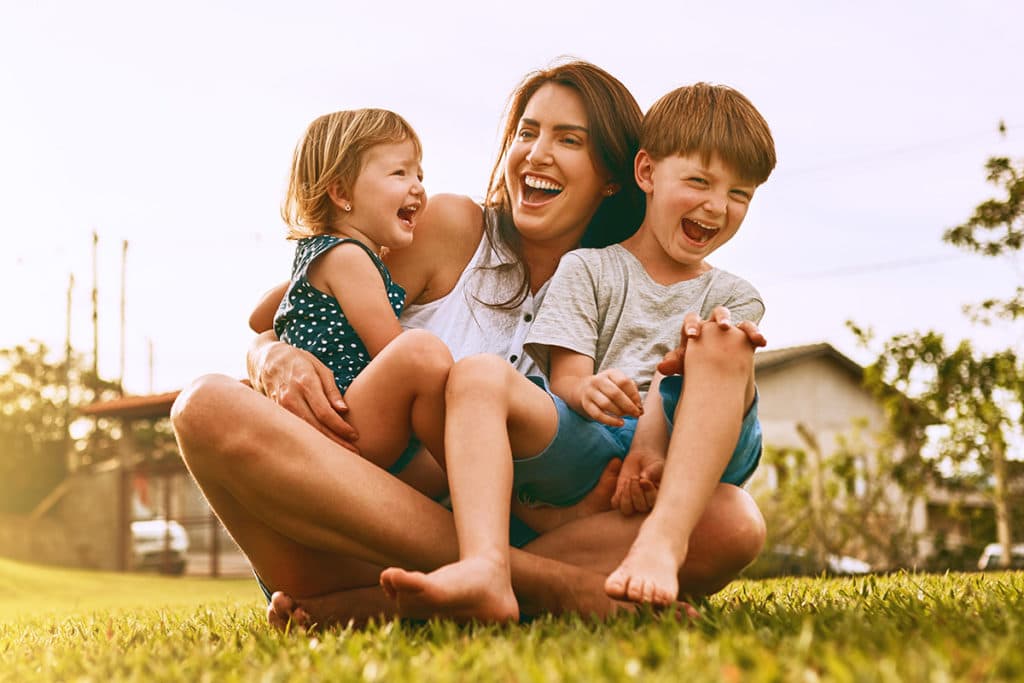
x=302, y=385
x=672, y=363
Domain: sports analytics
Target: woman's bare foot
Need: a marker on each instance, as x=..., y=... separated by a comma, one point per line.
x=650, y=573
x=355, y=607
x=545, y=518
x=471, y=589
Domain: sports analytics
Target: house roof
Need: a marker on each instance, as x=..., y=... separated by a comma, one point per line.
x=779, y=358
x=133, y=407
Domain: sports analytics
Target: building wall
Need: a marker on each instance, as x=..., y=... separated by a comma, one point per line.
x=828, y=401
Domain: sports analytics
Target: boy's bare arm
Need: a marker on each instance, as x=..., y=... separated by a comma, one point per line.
x=637, y=485
x=604, y=397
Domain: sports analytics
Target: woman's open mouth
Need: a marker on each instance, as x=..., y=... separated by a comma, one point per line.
x=697, y=231
x=537, y=190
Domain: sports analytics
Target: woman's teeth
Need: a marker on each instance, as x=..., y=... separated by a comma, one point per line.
x=535, y=183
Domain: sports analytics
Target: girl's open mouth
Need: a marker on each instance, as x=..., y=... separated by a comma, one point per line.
x=407, y=214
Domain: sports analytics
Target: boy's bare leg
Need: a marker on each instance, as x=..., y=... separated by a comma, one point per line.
x=493, y=413
x=718, y=388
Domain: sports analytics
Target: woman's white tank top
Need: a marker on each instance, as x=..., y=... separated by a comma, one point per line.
x=463, y=321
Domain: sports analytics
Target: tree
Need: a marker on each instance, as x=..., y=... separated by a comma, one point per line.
x=978, y=398
x=38, y=401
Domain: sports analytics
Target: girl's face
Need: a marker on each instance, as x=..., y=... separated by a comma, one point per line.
x=553, y=183
x=386, y=198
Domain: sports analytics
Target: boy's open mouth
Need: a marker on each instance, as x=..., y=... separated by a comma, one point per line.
x=537, y=190
x=698, y=232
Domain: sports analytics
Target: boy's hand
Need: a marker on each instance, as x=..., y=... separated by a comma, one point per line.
x=637, y=485
x=672, y=363
x=608, y=396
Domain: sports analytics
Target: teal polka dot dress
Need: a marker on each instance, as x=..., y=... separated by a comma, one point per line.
x=313, y=320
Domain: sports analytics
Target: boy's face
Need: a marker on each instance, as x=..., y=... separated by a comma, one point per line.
x=692, y=208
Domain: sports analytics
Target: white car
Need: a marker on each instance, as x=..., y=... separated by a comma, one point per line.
x=993, y=553
x=157, y=544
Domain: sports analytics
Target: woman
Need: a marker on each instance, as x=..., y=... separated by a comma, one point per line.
x=317, y=521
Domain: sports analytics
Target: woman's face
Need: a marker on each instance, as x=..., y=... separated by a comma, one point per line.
x=553, y=183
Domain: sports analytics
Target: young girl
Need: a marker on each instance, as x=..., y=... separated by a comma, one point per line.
x=355, y=190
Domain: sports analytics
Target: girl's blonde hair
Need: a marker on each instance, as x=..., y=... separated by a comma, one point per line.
x=331, y=153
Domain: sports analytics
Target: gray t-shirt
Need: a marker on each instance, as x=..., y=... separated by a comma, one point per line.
x=602, y=303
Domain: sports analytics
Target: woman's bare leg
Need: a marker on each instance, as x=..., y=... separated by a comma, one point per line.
x=315, y=518
x=718, y=387
x=494, y=413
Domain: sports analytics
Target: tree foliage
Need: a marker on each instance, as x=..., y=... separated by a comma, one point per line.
x=977, y=398
x=38, y=400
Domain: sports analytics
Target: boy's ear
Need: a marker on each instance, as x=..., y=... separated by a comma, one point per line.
x=338, y=198
x=643, y=169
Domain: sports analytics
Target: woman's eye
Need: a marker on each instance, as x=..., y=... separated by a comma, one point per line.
x=572, y=140
x=525, y=134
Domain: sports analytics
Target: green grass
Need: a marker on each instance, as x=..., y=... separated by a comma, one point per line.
x=85, y=626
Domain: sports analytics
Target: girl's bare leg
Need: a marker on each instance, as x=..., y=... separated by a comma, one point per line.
x=402, y=387
x=494, y=414
x=717, y=390
x=315, y=519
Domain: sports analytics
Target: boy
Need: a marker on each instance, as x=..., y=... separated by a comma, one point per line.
x=608, y=316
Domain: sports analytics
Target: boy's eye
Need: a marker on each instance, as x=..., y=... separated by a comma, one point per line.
x=740, y=195
x=698, y=180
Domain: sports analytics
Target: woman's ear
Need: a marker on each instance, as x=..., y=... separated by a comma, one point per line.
x=643, y=169
x=338, y=198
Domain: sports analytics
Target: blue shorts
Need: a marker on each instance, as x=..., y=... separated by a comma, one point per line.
x=572, y=463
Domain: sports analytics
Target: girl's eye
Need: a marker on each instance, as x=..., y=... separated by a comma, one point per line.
x=398, y=172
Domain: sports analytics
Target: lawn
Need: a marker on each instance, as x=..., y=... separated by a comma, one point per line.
x=59, y=624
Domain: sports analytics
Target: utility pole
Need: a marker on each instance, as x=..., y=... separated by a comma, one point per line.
x=68, y=458
x=149, y=351
x=95, y=318
x=124, y=267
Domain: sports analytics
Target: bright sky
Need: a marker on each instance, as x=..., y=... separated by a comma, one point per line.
x=172, y=127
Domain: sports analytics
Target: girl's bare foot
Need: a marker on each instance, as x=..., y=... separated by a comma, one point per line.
x=650, y=573
x=471, y=589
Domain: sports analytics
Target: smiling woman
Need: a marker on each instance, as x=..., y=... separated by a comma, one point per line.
x=318, y=520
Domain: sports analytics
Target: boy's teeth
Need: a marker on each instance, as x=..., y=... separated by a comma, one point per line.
x=541, y=183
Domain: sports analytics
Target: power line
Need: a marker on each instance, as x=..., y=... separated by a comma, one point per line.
x=869, y=268
x=894, y=152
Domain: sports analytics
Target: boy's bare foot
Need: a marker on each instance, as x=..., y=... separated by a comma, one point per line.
x=356, y=607
x=598, y=499
x=650, y=573
x=471, y=589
